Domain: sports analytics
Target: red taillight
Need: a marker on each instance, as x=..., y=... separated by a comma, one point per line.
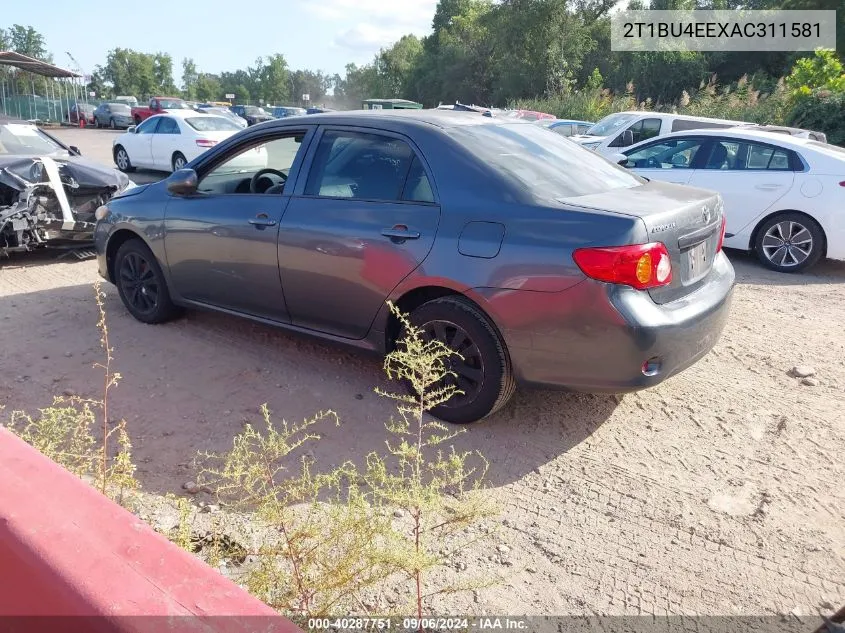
x=205, y=142
x=842, y=184
x=639, y=265
x=722, y=233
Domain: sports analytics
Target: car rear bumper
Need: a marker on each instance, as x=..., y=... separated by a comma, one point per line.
x=597, y=337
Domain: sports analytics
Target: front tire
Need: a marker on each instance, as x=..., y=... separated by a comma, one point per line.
x=111, y=124
x=789, y=242
x=484, y=374
x=121, y=159
x=141, y=284
x=178, y=161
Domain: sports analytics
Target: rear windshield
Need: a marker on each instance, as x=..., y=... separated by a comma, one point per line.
x=211, y=123
x=549, y=165
x=835, y=150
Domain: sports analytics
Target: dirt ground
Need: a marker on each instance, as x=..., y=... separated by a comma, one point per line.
x=714, y=493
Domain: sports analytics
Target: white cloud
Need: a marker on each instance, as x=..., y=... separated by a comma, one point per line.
x=368, y=25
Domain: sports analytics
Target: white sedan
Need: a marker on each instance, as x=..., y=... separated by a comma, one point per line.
x=168, y=142
x=784, y=196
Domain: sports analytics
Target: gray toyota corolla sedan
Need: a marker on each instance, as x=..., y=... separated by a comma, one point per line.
x=539, y=261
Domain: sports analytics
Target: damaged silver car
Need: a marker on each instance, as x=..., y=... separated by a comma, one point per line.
x=48, y=192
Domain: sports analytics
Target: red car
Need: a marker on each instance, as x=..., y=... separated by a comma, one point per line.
x=531, y=115
x=84, y=111
x=158, y=105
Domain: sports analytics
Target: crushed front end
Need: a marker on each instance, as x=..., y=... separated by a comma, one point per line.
x=50, y=202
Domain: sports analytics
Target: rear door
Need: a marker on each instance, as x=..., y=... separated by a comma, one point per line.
x=364, y=219
x=164, y=143
x=668, y=159
x=751, y=177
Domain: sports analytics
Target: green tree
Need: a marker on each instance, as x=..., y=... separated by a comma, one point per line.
x=190, y=78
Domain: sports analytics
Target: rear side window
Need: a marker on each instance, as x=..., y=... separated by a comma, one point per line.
x=359, y=165
x=167, y=126
x=737, y=155
x=545, y=165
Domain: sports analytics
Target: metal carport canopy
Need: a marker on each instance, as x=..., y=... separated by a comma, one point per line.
x=35, y=66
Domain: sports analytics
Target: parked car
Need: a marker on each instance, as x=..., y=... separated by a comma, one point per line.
x=530, y=115
x=622, y=129
x=565, y=127
x=48, y=192
x=158, y=105
x=128, y=100
x=280, y=112
x=318, y=110
x=540, y=262
x=784, y=195
x=206, y=108
x=169, y=141
x=252, y=114
x=113, y=115
x=79, y=111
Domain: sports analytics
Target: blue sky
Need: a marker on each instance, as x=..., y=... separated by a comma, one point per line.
x=223, y=35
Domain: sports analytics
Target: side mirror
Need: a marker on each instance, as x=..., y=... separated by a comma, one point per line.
x=183, y=182
x=627, y=138
x=619, y=159
x=131, y=129
x=74, y=150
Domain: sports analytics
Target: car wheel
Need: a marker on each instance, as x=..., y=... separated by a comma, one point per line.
x=789, y=242
x=482, y=371
x=97, y=123
x=121, y=159
x=178, y=161
x=111, y=124
x=141, y=284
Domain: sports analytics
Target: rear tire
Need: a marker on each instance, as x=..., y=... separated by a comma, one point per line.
x=111, y=124
x=789, y=242
x=484, y=374
x=141, y=284
x=121, y=159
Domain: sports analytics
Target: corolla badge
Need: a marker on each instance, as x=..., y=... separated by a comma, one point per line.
x=663, y=227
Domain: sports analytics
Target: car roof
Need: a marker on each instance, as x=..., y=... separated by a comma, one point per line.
x=398, y=119
x=774, y=138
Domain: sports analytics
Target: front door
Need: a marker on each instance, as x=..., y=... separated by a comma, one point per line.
x=669, y=159
x=364, y=219
x=221, y=243
x=165, y=143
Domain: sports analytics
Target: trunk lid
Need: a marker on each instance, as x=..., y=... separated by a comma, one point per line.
x=687, y=220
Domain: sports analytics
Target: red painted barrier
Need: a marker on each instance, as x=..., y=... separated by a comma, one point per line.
x=71, y=559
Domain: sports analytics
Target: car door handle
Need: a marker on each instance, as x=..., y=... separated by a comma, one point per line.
x=769, y=187
x=400, y=232
x=262, y=219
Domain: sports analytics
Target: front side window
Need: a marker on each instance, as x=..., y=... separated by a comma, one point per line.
x=148, y=126
x=256, y=169
x=676, y=153
x=359, y=165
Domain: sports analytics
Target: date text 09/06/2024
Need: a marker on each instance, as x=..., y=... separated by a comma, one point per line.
x=416, y=624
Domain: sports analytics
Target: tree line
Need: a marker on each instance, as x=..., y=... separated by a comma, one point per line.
x=488, y=52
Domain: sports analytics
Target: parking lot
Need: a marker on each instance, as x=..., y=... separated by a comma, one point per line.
x=712, y=493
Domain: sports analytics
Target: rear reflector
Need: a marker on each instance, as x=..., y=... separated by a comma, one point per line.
x=204, y=142
x=639, y=265
x=722, y=233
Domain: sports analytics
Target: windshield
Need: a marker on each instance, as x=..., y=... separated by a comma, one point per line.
x=211, y=124
x=173, y=104
x=609, y=124
x=548, y=165
x=120, y=108
x=253, y=110
x=19, y=138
